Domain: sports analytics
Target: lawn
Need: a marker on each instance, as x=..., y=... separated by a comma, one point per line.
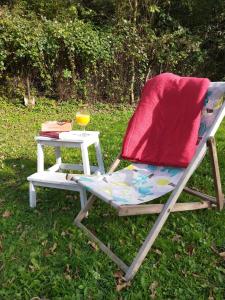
x=44, y=256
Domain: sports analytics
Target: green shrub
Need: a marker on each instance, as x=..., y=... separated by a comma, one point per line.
x=105, y=50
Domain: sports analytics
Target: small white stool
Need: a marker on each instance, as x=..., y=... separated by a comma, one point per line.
x=52, y=178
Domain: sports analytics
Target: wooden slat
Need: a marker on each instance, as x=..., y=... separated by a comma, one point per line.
x=76, y=167
x=83, y=213
x=129, y=210
x=115, y=164
x=200, y=195
x=103, y=247
x=216, y=172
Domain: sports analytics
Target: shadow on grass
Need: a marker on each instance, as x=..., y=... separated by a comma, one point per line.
x=14, y=188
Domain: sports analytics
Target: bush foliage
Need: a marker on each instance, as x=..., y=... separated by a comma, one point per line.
x=106, y=49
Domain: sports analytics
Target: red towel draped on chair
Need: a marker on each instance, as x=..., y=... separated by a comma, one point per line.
x=164, y=128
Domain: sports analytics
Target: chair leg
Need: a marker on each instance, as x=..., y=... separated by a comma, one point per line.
x=216, y=172
x=32, y=195
x=129, y=271
x=83, y=197
x=101, y=245
x=146, y=246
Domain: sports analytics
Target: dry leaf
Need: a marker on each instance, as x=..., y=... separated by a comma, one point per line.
x=222, y=254
x=120, y=280
x=6, y=214
x=53, y=248
x=157, y=251
x=105, y=214
x=214, y=250
x=44, y=243
x=177, y=256
x=118, y=274
x=153, y=287
x=32, y=268
x=65, y=208
x=190, y=250
x=122, y=285
x=46, y=253
x=67, y=276
x=176, y=238
x=93, y=245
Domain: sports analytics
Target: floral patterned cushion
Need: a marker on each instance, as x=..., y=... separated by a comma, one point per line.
x=139, y=183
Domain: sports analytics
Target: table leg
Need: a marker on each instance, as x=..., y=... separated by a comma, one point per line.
x=99, y=157
x=58, y=156
x=40, y=157
x=85, y=159
x=32, y=195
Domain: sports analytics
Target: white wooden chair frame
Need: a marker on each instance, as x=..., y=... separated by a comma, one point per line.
x=170, y=205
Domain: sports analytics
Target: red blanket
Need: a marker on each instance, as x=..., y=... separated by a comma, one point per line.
x=164, y=128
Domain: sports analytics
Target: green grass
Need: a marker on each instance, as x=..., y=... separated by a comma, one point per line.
x=42, y=254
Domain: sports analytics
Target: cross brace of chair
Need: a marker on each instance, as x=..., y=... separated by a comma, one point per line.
x=163, y=209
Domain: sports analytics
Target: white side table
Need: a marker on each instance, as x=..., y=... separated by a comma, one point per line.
x=53, y=178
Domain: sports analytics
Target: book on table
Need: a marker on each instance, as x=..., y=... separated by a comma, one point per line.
x=52, y=129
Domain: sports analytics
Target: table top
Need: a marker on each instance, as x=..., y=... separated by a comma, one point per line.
x=74, y=136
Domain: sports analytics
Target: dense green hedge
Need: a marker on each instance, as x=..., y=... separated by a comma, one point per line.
x=104, y=50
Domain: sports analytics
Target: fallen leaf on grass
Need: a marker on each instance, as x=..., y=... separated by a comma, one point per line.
x=65, y=233
x=53, y=248
x=177, y=256
x=118, y=274
x=120, y=281
x=190, y=250
x=93, y=245
x=6, y=214
x=152, y=288
x=157, y=251
x=67, y=276
x=176, y=238
x=67, y=272
x=50, y=251
x=121, y=286
x=222, y=254
x=44, y=243
x=65, y=208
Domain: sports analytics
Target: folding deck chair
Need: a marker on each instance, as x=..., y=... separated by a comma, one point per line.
x=127, y=190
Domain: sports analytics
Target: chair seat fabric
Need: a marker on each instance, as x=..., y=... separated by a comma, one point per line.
x=135, y=184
